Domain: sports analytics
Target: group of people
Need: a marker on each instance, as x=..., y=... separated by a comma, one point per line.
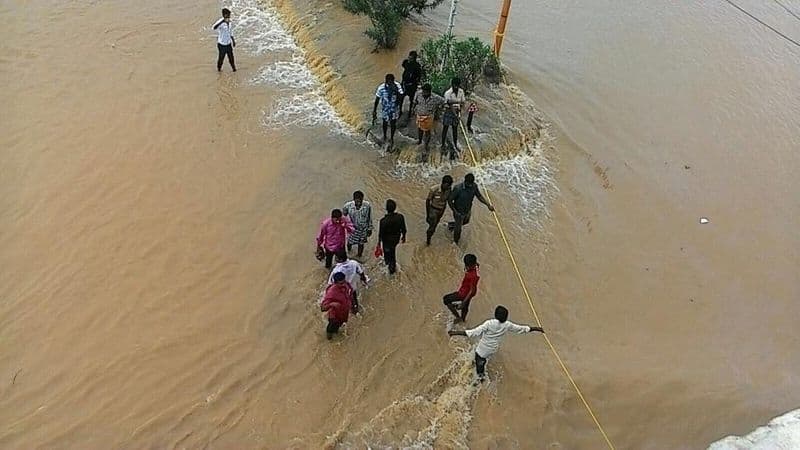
x=390, y=96
x=351, y=227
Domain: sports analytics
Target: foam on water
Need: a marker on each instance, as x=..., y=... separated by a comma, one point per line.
x=260, y=31
x=303, y=110
x=287, y=74
x=529, y=175
x=781, y=433
x=437, y=418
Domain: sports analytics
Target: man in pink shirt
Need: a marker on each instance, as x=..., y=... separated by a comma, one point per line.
x=332, y=236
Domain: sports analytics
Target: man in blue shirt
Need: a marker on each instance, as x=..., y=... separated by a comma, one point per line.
x=389, y=95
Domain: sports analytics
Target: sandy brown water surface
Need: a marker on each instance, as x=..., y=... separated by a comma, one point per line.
x=158, y=287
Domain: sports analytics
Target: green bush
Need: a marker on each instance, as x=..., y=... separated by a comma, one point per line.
x=387, y=16
x=354, y=6
x=446, y=57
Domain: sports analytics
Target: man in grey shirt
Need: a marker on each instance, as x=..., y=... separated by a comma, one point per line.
x=460, y=202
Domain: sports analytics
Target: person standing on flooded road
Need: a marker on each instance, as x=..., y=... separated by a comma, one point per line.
x=412, y=74
x=460, y=202
x=426, y=104
x=491, y=333
x=435, y=205
x=225, y=40
x=391, y=232
x=388, y=95
x=360, y=213
x=332, y=236
x=455, y=98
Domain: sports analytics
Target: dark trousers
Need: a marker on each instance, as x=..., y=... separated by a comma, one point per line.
x=329, y=254
x=409, y=90
x=390, y=256
x=460, y=221
x=480, y=365
x=223, y=51
x=455, y=303
x=329, y=258
x=333, y=326
x=469, y=121
x=433, y=218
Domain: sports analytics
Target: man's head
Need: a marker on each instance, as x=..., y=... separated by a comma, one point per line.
x=358, y=198
x=501, y=313
x=226, y=13
x=391, y=206
x=447, y=182
x=389, y=78
x=469, y=179
x=427, y=90
x=341, y=256
x=470, y=260
x=455, y=83
x=336, y=215
x=412, y=55
x=339, y=277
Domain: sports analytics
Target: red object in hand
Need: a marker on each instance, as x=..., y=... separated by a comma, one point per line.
x=378, y=251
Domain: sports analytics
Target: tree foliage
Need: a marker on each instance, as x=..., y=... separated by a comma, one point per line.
x=387, y=16
x=470, y=60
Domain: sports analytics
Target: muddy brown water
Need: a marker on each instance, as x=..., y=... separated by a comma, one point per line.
x=158, y=288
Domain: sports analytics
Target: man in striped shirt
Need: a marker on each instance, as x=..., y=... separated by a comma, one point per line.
x=225, y=41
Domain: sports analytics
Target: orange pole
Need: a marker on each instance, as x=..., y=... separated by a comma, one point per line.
x=501, y=27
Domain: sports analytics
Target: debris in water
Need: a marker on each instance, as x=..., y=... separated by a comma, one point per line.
x=704, y=220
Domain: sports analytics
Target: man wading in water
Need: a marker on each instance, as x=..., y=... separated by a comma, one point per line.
x=360, y=213
x=426, y=103
x=460, y=202
x=353, y=271
x=389, y=95
x=460, y=299
x=391, y=231
x=491, y=333
x=436, y=203
x=225, y=41
x=337, y=303
x=332, y=236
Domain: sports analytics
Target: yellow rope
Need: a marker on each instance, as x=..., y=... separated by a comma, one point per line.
x=530, y=301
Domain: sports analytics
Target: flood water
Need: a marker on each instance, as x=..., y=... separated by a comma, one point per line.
x=158, y=286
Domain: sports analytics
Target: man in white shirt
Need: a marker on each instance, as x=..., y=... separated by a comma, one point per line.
x=491, y=333
x=225, y=41
x=353, y=271
x=454, y=99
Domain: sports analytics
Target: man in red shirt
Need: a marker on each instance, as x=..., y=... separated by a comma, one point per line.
x=337, y=302
x=460, y=299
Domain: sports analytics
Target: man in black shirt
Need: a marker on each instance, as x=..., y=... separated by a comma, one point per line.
x=460, y=202
x=391, y=231
x=412, y=74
